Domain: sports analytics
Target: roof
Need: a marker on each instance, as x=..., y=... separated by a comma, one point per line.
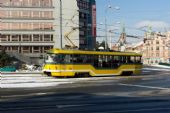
x=57, y=51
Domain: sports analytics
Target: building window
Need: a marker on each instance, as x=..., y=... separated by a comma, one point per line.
x=36, y=49
x=47, y=37
x=26, y=26
x=26, y=38
x=163, y=42
x=25, y=2
x=48, y=26
x=47, y=14
x=4, y=26
x=14, y=48
x=25, y=49
x=15, y=38
x=36, y=3
x=157, y=48
x=46, y=48
x=36, y=14
x=3, y=14
x=25, y=14
x=14, y=14
x=15, y=26
x=36, y=38
x=15, y=3
x=47, y=3
x=3, y=38
x=5, y=2
x=81, y=32
x=163, y=48
x=36, y=26
x=83, y=4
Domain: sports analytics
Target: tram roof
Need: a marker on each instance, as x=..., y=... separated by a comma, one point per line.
x=65, y=51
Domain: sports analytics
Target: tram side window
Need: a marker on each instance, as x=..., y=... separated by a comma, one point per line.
x=138, y=59
x=132, y=59
x=122, y=59
x=67, y=58
x=128, y=59
x=135, y=59
x=82, y=59
x=100, y=61
x=116, y=61
x=88, y=59
x=104, y=61
x=125, y=59
x=108, y=61
x=76, y=59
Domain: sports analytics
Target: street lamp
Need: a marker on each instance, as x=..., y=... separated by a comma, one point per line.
x=108, y=7
x=61, y=19
x=112, y=32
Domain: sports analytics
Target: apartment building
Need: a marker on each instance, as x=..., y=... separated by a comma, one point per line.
x=156, y=48
x=31, y=27
x=137, y=47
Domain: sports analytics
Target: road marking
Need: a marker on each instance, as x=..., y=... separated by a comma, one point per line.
x=78, y=105
x=137, y=110
x=33, y=85
x=150, y=87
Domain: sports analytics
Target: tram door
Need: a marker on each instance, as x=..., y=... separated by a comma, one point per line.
x=66, y=66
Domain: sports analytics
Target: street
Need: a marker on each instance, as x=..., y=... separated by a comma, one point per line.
x=146, y=93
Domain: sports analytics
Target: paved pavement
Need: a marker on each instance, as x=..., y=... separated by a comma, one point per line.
x=32, y=80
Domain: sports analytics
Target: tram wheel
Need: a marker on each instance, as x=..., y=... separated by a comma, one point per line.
x=126, y=73
x=82, y=74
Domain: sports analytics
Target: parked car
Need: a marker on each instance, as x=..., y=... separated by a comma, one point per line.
x=8, y=69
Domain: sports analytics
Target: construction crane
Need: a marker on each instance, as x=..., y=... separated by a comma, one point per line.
x=71, y=44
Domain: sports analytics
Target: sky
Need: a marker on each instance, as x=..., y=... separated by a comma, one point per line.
x=134, y=15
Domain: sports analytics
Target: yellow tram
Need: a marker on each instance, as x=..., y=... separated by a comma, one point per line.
x=71, y=63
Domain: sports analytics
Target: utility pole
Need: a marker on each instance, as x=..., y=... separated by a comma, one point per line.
x=106, y=30
x=106, y=10
x=61, y=29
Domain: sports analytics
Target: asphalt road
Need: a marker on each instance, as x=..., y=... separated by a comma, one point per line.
x=147, y=93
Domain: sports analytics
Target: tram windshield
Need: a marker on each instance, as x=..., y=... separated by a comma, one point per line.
x=52, y=58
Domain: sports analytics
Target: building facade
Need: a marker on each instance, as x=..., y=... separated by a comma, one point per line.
x=156, y=48
x=31, y=27
x=87, y=23
x=26, y=26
